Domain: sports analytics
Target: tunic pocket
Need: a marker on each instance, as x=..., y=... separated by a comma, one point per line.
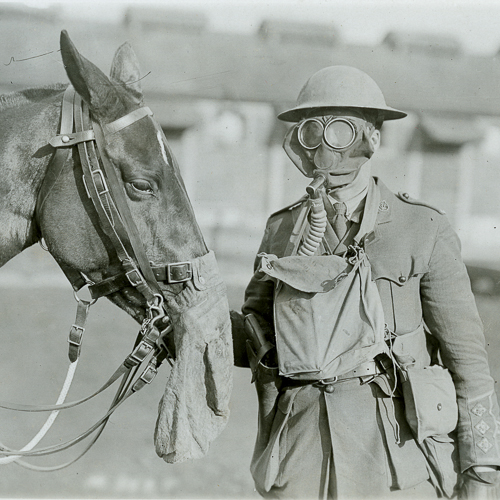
x=265, y=465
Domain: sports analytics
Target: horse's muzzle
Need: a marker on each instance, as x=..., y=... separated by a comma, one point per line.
x=195, y=406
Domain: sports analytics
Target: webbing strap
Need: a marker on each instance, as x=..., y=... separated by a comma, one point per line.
x=298, y=230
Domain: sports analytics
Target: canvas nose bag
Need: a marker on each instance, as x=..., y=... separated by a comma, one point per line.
x=328, y=315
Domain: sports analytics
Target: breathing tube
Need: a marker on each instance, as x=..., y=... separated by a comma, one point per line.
x=318, y=220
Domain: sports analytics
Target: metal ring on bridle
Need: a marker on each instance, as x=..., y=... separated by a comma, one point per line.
x=78, y=299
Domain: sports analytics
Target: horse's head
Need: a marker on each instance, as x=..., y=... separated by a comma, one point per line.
x=116, y=214
x=146, y=170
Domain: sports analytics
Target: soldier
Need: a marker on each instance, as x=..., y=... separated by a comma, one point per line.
x=360, y=326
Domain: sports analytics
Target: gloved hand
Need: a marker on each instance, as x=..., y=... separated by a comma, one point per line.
x=480, y=483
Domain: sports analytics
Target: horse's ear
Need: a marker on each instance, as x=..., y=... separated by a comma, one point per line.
x=125, y=68
x=94, y=87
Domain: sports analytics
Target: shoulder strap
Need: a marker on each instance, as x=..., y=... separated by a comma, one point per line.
x=291, y=206
x=298, y=230
x=408, y=199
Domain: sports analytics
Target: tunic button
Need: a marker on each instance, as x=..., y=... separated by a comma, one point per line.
x=402, y=279
x=405, y=195
x=439, y=406
x=329, y=388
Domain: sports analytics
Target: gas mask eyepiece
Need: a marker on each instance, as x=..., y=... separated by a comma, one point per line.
x=337, y=133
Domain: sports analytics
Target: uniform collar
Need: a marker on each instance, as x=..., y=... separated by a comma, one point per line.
x=386, y=202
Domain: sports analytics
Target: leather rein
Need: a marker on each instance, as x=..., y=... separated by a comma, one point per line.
x=102, y=186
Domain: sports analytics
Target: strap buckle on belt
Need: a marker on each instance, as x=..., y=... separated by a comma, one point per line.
x=366, y=372
x=329, y=381
x=179, y=272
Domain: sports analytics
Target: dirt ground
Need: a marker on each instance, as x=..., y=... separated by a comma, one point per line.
x=123, y=464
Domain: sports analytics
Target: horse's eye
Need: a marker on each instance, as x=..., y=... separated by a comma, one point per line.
x=142, y=186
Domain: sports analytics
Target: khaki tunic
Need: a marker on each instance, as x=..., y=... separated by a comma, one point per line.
x=416, y=264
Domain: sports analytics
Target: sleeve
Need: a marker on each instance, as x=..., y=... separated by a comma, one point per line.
x=260, y=292
x=259, y=302
x=451, y=315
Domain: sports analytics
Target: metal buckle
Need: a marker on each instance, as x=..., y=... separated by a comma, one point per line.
x=185, y=268
x=146, y=378
x=329, y=381
x=103, y=181
x=150, y=333
x=135, y=277
x=140, y=352
x=76, y=332
x=149, y=374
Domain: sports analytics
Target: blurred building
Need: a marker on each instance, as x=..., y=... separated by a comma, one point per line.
x=217, y=95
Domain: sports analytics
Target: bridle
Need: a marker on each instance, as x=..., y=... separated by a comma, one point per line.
x=78, y=128
x=108, y=198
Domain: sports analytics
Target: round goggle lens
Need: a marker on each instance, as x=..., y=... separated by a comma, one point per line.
x=311, y=134
x=338, y=133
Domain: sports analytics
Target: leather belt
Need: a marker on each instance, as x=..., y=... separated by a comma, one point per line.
x=366, y=372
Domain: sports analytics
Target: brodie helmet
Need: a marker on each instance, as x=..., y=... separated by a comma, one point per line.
x=340, y=87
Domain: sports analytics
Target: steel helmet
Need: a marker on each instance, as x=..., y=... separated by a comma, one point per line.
x=340, y=87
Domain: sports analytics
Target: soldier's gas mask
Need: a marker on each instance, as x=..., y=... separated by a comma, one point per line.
x=334, y=146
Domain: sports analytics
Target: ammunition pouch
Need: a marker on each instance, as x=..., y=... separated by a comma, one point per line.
x=430, y=401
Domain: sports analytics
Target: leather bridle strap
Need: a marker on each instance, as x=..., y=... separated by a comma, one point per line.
x=109, y=201
x=108, y=197
x=54, y=171
x=147, y=344
x=125, y=121
x=118, y=195
x=175, y=273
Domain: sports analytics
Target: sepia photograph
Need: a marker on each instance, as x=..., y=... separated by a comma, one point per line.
x=250, y=249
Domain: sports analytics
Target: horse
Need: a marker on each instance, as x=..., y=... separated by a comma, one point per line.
x=86, y=169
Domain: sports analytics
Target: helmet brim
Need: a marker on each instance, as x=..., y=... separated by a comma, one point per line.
x=299, y=112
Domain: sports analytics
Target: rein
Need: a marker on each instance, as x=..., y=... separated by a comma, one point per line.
x=102, y=186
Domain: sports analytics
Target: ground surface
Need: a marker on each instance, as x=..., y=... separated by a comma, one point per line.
x=123, y=464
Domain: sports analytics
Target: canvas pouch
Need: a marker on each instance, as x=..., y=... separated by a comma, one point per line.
x=430, y=401
x=328, y=315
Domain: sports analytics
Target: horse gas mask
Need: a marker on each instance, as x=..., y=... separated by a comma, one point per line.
x=332, y=146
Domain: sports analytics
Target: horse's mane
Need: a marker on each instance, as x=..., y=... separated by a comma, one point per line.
x=28, y=96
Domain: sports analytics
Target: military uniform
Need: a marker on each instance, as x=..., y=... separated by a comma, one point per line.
x=350, y=438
